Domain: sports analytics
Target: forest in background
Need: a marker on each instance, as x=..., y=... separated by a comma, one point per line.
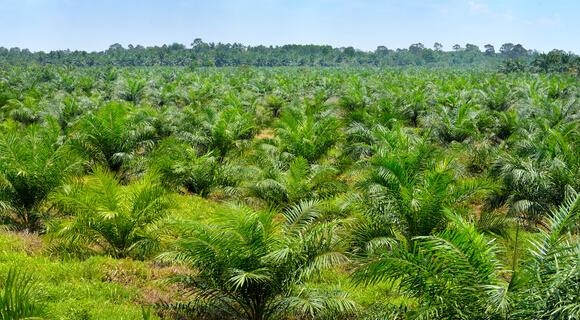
x=515, y=57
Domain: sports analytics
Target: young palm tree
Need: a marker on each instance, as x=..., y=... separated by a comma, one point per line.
x=17, y=299
x=275, y=180
x=453, y=275
x=27, y=112
x=457, y=124
x=133, y=91
x=109, y=136
x=220, y=131
x=458, y=274
x=34, y=162
x=120, y=220
x=498, y=96
x=412, y=190
x=534, y=176
x=550, y=281
x=355, y=98
x=165, y=95
x=67, y=110
x=306, y=132
x=87, y=85
x=180, y=166
x=363, y=139
x=250, y=266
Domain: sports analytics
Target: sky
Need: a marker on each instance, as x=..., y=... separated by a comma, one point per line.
x=91, y=25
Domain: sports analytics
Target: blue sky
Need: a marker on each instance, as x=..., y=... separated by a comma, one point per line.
x=94, y=25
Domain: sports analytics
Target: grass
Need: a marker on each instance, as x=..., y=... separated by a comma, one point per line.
x=195, y=208
x=96, y=288
x=101, y=287
x=366, y=296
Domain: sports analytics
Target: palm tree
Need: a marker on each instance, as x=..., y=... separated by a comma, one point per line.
x=34, y=162
x=17, y=301
x=411, y=189
x=87, y=85
x=133, y=91
x=107, y=136
x=457, y=124
x=274, y=104
x=120, y=220
x=67, y=110
x=506, y=124
x=180, y=166
x=250, y=266
x=220, y=131
x=498, y=97
x=549, y=278
x=355, y=98
x=273, y=178
x=363, y=139
x=511, y=66
x=529, y=188
x=167, y=94
x=27, y=111
x=534, y=176
x=458, y=273
x=454, y=274
x=308, y=132
x=545, y=62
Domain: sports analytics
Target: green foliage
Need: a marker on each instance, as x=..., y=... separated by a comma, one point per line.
x=193, y=65
x=511, y=66
x=293, y=55
x=412, y=190
x=107, y=137
x=551, y=273
x=457, y=124
x=180, y=166
x=133, y=91
x=251, y=267
x=552, y=62
x=498, y=98
x=34, y=162
x=120, y=220
x=17, y=299
x=276, y=182
x=308, y=133
x=397, y=153
x=220, y=131
x=450, y=273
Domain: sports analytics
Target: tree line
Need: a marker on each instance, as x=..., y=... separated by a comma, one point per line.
x=201, y=54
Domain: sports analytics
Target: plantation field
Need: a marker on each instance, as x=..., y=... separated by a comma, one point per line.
x=289, y=193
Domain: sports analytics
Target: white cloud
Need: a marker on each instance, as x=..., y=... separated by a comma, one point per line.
x=507, y=16
x=478, y=7
x=548, y=21
x=545, y=21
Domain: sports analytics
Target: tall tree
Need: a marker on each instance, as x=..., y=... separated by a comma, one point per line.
x=489, y=50
x=471, y=48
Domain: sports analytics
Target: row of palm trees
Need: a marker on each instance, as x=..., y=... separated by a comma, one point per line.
x=457, y=186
